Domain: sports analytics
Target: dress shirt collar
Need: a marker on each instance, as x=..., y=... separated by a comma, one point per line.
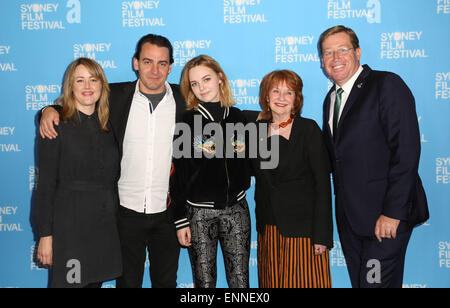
x=348, y=86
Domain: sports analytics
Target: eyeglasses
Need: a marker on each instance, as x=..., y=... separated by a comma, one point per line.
x=340, y=52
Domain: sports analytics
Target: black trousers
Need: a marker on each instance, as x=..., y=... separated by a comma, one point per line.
x=372, y=264
x=154, y=233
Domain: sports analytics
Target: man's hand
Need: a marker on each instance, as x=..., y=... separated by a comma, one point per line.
x=50, y=117
x=386, y=228
x=184, y=237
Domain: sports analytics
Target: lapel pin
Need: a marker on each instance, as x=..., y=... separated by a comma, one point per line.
x=360, y=85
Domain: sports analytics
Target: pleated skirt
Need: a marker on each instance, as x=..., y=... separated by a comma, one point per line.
x=285, y=262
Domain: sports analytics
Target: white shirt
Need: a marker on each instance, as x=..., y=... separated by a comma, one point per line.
x=147, y=154
x=347, y=87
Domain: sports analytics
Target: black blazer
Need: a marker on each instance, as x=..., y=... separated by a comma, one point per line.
x=300, y=194
x=120, y=103
x=375, y=153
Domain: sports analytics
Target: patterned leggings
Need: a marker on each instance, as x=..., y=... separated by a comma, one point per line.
x=230, y=226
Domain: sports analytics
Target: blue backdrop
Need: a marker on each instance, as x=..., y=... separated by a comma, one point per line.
x=249, y=38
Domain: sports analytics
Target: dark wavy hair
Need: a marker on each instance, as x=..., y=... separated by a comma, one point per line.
x=157, y=40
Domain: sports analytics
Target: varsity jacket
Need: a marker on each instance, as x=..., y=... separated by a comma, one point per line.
x=214, y=171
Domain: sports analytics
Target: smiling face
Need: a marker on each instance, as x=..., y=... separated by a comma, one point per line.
x=342, y=67
x=86, y=89
x=205, y=83
x=154, y=67
x=281, y=100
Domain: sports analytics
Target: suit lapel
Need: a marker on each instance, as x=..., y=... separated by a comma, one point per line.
x=356, y=91
x=180, y=103
x=326, y=112
x=122, y=103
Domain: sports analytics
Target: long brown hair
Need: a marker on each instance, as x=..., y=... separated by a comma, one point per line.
x=271, y=80
x=67, y=98
x=226, y=95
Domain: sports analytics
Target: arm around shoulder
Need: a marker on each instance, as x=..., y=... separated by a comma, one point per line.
x=48, y=118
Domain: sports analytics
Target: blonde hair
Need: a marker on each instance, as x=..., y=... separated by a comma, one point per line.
x=67, y=98
x=226, y=95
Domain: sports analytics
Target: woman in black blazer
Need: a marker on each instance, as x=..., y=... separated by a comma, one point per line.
x=293, y=200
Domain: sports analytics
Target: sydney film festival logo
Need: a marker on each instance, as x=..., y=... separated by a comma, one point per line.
x=296, y=49
x=5, y=52
x=6, y=225
x=139, y=14
x=443, y=170
x=95, y=51
x=444, y=254
x=184, y=51
x=50, y=15
x=347, y=9
x=243, y=12
x=246, y=91
x=443, y=6
x=442, y=86
x=40, y=96
x=402, y=45
x=6, y=136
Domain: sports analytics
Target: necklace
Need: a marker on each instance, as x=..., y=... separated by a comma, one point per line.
x=283, y=124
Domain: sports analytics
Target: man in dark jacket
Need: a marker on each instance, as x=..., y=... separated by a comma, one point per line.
x=372, y=133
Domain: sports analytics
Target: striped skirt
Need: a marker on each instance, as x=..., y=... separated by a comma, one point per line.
x=285, y=262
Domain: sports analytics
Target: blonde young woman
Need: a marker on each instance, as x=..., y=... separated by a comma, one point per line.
x=209, y=188
x=76, y=200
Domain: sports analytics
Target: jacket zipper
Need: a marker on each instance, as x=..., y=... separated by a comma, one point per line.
x=225, y=160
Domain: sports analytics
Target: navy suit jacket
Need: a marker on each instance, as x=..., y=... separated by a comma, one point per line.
x=375, y=153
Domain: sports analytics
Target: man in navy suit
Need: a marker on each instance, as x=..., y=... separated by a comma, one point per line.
x=372, y=133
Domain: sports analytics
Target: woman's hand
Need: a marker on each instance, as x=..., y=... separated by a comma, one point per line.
x=45, y=250
x=184, y=237
x=319, y=249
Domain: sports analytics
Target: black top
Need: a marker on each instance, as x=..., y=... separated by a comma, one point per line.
x=215, y=109
x=76, y=200
x=207, y=177
x=267, y=216
x=296, y=196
